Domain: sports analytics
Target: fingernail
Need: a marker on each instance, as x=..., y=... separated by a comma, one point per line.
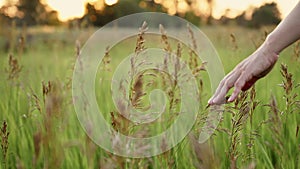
x=210, y=101
x=230, y=98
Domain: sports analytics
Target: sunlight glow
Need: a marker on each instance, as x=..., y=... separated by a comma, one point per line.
x=237, y=7
x=68, y=9
x=110, y=2
x=182, y=6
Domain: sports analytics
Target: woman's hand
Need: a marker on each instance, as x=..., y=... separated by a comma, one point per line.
x=260, y=63
x=245, y=74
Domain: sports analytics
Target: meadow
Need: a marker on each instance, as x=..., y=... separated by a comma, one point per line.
x=40, y=129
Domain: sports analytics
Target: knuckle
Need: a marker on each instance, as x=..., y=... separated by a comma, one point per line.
x=228, y=83
x=222, y=83
x=239, y=84
x=239, y=67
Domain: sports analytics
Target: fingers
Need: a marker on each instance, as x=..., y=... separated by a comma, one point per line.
x=221, y=85
x=241, y=81
x=220, y=97
x=238, y=85
x=245, y=75
x=226, y=84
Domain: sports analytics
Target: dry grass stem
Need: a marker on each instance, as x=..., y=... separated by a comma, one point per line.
x=14, y=68
x=140, y=43
x=4, y=133
x=234, y=42
x=164, y=39
x=193, y=58
x=107, y=59
x=77, y=48
x=297, y=50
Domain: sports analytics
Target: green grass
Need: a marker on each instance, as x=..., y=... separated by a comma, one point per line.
x=62, y=143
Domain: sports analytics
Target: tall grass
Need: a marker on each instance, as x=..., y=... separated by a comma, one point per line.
x=40, y=128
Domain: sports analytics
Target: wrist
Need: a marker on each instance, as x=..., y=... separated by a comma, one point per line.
x=271, y=44
x=268, y=50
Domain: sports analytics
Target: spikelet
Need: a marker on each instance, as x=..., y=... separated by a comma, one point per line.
x=233, y=41
x=4, y=133
x=14, y=68
x=164, y=39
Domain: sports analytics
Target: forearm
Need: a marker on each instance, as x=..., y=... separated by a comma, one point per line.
x=286, y=33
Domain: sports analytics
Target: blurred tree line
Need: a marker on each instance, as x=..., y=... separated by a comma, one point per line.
x=29, y=12
x=34, y=12
x=267, y=14
x=99, y=17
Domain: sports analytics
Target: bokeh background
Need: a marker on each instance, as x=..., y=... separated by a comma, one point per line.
x=40, y=41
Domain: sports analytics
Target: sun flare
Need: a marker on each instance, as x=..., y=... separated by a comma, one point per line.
x=110, y=2
x=77, y=8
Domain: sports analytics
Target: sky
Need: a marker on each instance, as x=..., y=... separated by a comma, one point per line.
x=76, y=9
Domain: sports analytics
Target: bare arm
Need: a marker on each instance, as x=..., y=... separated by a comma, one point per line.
x=287, y=32
x=260, y=63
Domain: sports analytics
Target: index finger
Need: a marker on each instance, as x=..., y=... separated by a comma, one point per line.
x=224, y=86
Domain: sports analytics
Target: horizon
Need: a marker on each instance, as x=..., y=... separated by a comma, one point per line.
x=220, y=6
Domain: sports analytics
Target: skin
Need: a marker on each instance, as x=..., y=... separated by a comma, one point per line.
x=261, y=62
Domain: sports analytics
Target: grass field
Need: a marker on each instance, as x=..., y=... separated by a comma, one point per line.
x=40, y=129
